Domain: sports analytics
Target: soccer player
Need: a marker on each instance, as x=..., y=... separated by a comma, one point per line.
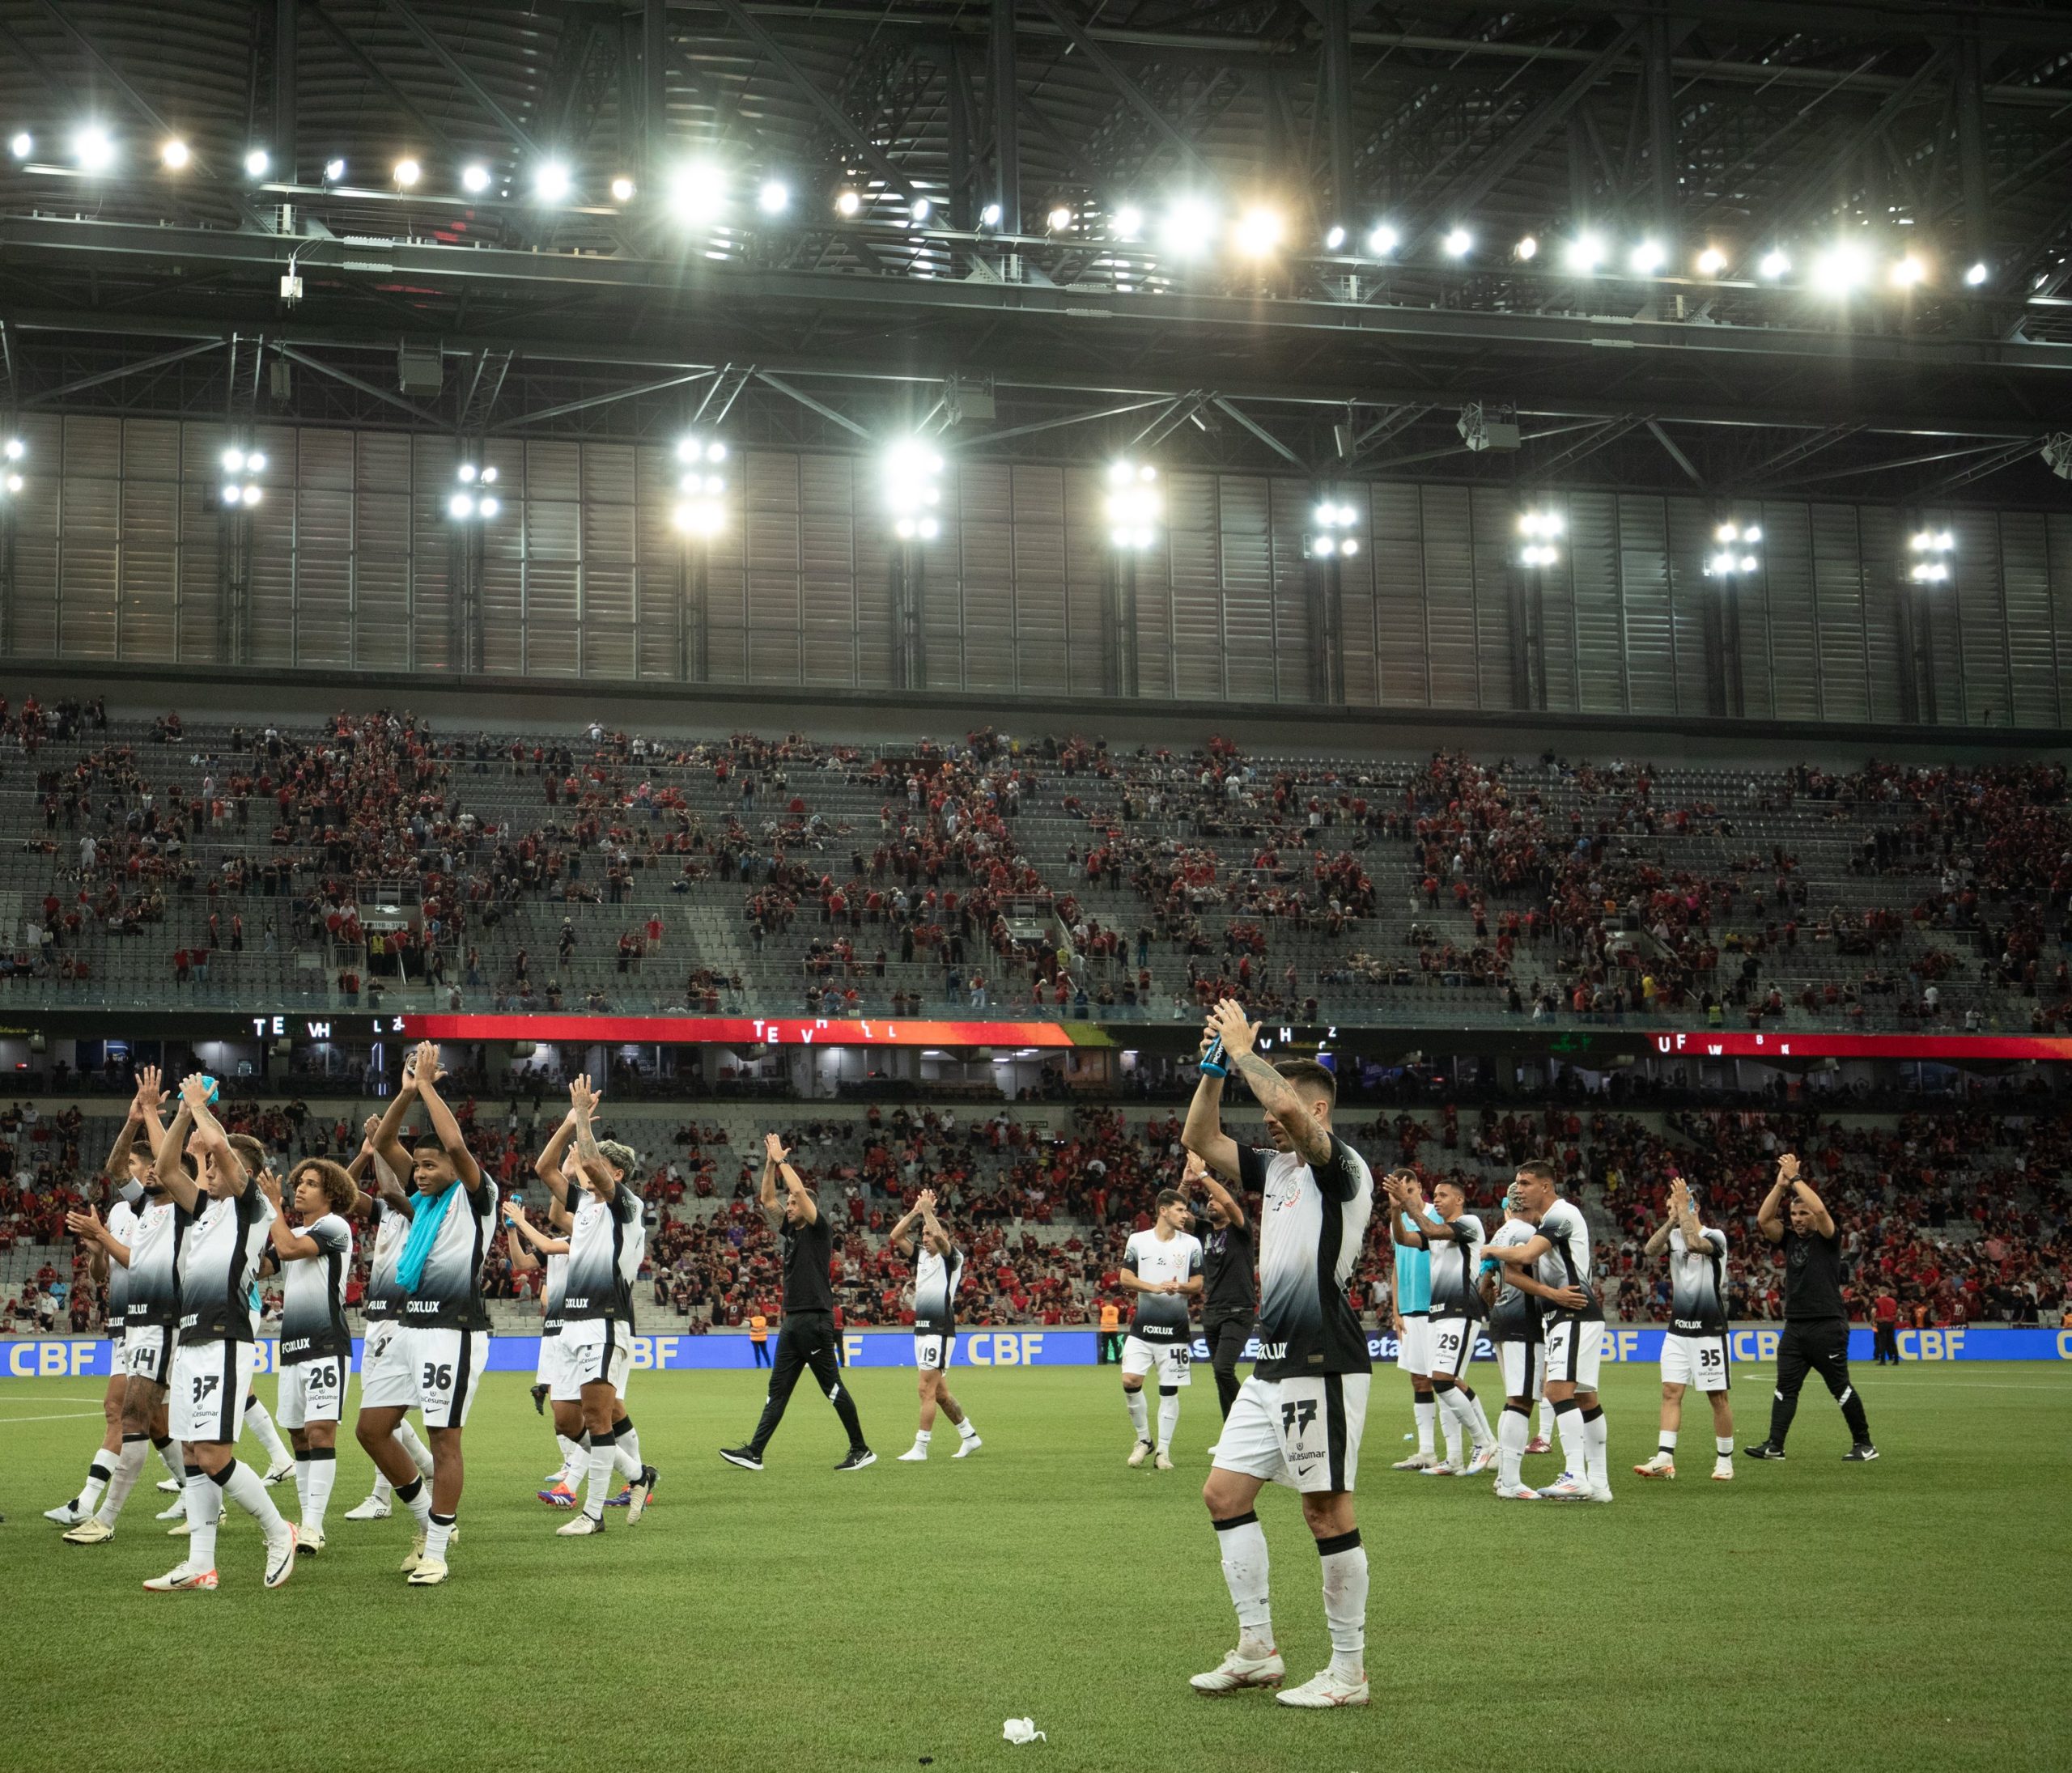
x=387, y=1207
x=1694, y=1351
x=1816, y=1321
x=315, y=1349
x=443, y=1342
x=1558, y=1252
x=1454, y=1235
x=605, y=1247
x=1230, y=1292
x=131, y=1160
x=938, y=1272
x=1513, y=1295
x=529, y=1249
x=1411, y=1315
x=1297, y=1420
x=228, y=1217
x=1162, y=1267
x=807, y=1337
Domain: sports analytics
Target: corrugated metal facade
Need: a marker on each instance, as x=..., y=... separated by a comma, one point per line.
x=119, y=543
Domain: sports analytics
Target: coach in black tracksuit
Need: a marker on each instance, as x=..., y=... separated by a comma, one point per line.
x=1230, y=1292
x=1816, y=1321
x=808, y=1338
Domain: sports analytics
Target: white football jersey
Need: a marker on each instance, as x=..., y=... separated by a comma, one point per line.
x=1154, y=1261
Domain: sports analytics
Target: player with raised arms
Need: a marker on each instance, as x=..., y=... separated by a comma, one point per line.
x=1298, y=1419
x=938, y=1271
x=1694, y=1351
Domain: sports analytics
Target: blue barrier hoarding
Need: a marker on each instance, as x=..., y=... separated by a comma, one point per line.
x=63, y=1357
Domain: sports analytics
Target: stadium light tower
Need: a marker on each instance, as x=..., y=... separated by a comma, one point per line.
x=238, y=498
x=1136, y=508
x=1735, y=558
x=1931, y=548
x=1733, y=555
x=1331, y=541
x=700, y=515
x=1541, y=533
x=14, y=453
x=471, y=506
x=913, y=494
x=1923, y=603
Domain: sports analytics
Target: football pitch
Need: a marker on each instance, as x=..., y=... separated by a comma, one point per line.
x=1815, y=1615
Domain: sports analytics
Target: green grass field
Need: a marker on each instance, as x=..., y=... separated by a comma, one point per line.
x=1811, y=1615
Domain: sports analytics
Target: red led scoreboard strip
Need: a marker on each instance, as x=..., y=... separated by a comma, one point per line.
x=737, y=1030
x=1951, y=1048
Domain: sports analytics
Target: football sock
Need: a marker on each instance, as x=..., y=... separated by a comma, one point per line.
x=383, y=1490
x=323, y=1473
x=245, y=1487
x=416, y=1496
x=575, y=1463
x=1723, y=1445
x=1568, y=1427
x=438, y=1530
x=1345, y=1602
x=1478, y=1419
x=1513, y=1429
x=1545, y=1419
x=1427, y=1419
x=1245, y=1566
x=923, y=1436
x=406, y=1438
x=604, y=1450
x=261, y=1424
x=1595, y=1435
x=175, y=1467
x=302, y=1485
x=205, y=1507
x=1450, y=1433
x=1168, y=1414
x=1667, y=1441
x=129, y=1468
x=1461, y=1414
x=98, y=1472
x=1139, y=1414
x=965, y=1430
x=627, y=1439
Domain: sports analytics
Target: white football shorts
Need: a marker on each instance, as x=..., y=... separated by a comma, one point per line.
x=1696, y=1361
x=1172, y=1360
x=1574, y=1347
x=1301, y=1432
x=312, y=1391
x=206, y=1401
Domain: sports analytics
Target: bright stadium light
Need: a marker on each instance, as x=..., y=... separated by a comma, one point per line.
x=1331, y=523
x=1060, y=220
x=1647, y=258
x=474, y=178
x=174, y=154
x=913, y=488
x=697, y=193
x=1382, y=240
x=242, y=468
x=1843, y=267
x=1931, y=550
x=21, y=144
x=1135, y=506
x=1129, y=224
x=990, y=216
x=623, y=190
x=1527, y=249
x=14, y=449
x=94, y=149
x=1257, y=234
x=407, y=173
x=1584, y=253
x=847, y=203
x=470, y=502
x=1457, y=244
x=700, y=509
x=334, y=170
x=1334, y=239
x=258, y=162
x=552, y=183
x=1774, y=264
x=1908, y=272
x=1189, y=228
x=1976, y=274
x=1711, y=262
x=1734, y=555
x=773, y=196
x=1541, y=529
x=920, y=209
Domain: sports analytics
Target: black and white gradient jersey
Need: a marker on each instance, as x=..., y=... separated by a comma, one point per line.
x=153, y=1296
x=603, y=1256
x=556, y=1291
x=1697, y=1282
x=122, y=1227
x=1162, y=1317
x=385, y=1292
x=1452, y=1269
x=313, y=1294
x=1567, y=1263
x=218, y=1262
x=449, y=1292
x=1311, y=1225
x=1515, y=1315
x=936, y=1281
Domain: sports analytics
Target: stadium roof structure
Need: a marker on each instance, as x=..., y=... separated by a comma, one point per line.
x=1750, y=246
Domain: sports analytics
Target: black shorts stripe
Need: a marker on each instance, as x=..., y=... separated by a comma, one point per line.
x=462, y=1371
x=232, y=1406
x=1335, y=1427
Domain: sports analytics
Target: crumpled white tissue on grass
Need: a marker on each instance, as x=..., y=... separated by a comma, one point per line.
x=1023, y=1730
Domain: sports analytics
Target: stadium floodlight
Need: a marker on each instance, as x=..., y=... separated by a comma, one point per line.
x=1060, y=220
x=474, y=178
x=461, y=505
x=1257, y=233
x=1334, y=239
x=94, y=149
x=1135, y=506
x=1382, y=240
x=407, y=173
x=471, y=500
x=1457, y=244
x=913, y=488
x=1711, y=262
x=1584, y=253
x=174, y=154
x=773, y=196
x=920, y=209
x=1541, y=529
x=1527, y=249
x=701, y=511
x=258, y=162
x=1128, y=223
x=1733, y=557
x=334, y=170
x=14, y=449
x=1842, y=268
x=1331, y=523
x=847, y=203
x=1774, y=264
x=1188, y=228
x=990, y=216
x=1976, y=274
x=553, y=182
x=1908, y=272
x=242, y=468
x=1931, y=550
x=1647, y=258
x=623, y=189
x=21, y=144
x=697, y=193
